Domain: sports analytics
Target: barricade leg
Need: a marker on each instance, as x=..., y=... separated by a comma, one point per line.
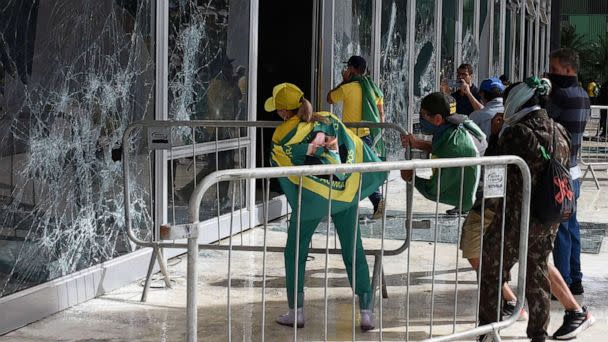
x=191, y=295
x=156, y=256
x=144, y=294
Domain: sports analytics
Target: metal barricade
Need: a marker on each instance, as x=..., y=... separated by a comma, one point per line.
x=217, y=125
x=593, y=154
x=190, y=231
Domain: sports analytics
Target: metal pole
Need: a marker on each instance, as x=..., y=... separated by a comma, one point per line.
x=502, y=37
x=266, y=200
x=522, y=39
x=457, y=250
x=536, y=35
x=411, y=38
x=297, y=261
x=490, y=21
x=191, y=295
x=409, y=211
x=438, y=23
x=331, y=182
x=435, y=252
x=354, y=274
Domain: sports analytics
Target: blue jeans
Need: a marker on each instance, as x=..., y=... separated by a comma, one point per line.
x=567, y=249
x=376, y=196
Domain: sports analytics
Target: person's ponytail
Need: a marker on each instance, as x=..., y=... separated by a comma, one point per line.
x=306, y=114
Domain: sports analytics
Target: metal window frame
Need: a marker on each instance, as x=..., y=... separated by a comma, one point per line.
x=162, y=113
x=437, y=47
x=411, y=39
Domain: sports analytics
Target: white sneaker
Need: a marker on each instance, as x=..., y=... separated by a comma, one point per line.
x=289, y=318
x=367, y=320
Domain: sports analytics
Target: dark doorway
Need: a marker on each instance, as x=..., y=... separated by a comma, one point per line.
x=284, y=55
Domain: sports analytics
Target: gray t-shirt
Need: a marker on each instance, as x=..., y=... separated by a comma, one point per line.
x=483, y=117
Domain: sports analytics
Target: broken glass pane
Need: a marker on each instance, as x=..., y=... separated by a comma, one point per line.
x=73, y=75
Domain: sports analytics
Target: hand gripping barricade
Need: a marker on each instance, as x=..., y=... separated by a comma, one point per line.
x=191, y=232
x=593, y=154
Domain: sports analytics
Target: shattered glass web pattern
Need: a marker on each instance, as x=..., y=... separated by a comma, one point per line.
x=73, y=75
x=208, y=65
x=425, y=54
x=352, y=36
x=394, y=71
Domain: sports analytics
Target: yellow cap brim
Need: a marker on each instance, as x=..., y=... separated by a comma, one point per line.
x=269, y=105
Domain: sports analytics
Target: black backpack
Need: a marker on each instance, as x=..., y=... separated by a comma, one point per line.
x=553, y=198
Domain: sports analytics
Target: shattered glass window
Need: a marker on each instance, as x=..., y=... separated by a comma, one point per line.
x=73, y=75
x=352, y=36
x=394, y=63
x=425, y=54
x=208, y=62
x=208, y=78
x=470, y=50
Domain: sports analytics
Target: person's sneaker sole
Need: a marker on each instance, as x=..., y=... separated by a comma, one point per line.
x=300, y=325
x=586, y=324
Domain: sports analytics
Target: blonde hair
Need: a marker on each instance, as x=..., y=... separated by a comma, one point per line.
x=305, y=113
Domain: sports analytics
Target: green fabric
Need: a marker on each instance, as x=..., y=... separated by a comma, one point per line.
x=455, y=142
x=348, y=145
x=344, y=222
x=369, y=110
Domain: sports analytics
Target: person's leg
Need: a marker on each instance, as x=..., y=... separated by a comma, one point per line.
x=560, y=290
x=345, y=222
x=538, y=287
x=307, y=228
x=561, y=251
x=376, y=196
x=602, y=128
x=490, y=269
x=575, y=237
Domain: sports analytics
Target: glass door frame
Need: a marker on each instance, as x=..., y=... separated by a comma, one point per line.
x=248, y=142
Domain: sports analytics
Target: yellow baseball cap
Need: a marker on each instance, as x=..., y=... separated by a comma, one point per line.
x=284, y=96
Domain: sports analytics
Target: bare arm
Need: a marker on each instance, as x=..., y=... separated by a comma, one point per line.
x=345, y=78
x=466, y=90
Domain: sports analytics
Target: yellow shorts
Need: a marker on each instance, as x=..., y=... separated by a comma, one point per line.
x=470, y=240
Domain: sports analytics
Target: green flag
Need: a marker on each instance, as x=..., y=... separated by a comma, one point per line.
x=369, y=110
x=290, y=145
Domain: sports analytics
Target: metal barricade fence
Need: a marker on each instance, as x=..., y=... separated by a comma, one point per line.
x=593, y=154
x=166, y=135
x=190, y=231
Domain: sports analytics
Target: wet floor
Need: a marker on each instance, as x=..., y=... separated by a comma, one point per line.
x=119, y=316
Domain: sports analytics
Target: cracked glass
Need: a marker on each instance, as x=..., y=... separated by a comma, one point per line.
x=73, y=75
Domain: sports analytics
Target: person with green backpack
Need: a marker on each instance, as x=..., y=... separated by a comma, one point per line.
x=362, y=100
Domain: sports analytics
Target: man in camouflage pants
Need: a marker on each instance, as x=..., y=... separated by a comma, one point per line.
x=530, y=127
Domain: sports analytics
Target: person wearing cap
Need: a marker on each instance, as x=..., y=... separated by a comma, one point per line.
x=362, y=100
x=306, y=138
x=490, y=93
x=454, y=136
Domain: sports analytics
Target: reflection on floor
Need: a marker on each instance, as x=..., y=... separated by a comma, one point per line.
x=119, y=316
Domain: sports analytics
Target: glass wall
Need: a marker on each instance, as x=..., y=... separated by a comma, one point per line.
x=394, y=70
x=352, y=36
x=425, y=53
x=470, y=49
x=448, y=46
x=73, y=75
x=208, y=68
